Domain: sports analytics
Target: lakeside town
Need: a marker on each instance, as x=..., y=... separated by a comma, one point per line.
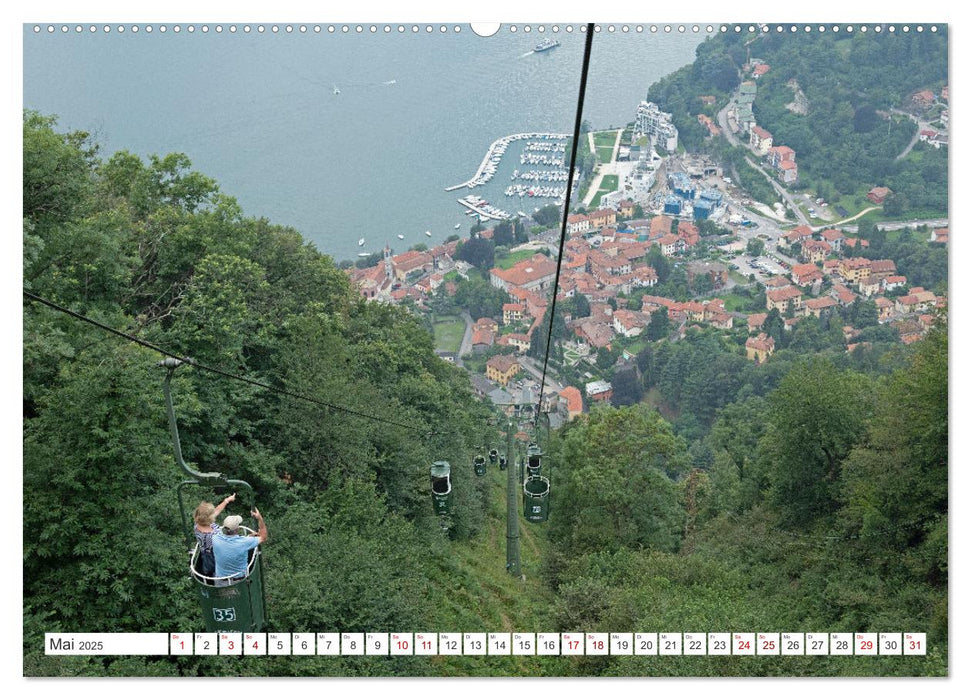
x=650, y=212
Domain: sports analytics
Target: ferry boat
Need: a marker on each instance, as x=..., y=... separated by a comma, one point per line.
x=546, y=44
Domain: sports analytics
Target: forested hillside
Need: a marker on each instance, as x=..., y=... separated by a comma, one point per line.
x=809, y=494
x=845, y=139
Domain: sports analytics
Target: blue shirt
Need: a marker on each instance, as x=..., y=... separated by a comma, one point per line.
x=231, y=553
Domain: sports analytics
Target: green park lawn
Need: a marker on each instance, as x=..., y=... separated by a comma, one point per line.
x=604, y=139
x=604, y=143
x=449, y=331
x=736, y=302
x=510, y=259
x=607, y=185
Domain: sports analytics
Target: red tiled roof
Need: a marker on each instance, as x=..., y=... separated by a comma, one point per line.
x=661, y=224
x=574, y=399
x=821, y=303
x=783, y=294
x=483, y=336
x=798, y=233
x=761, y=342
x=806, y=270
x=502, y=363
x=816, y=245
x=777, y=282
x=526, y=271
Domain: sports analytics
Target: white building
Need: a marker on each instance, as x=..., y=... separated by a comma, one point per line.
x=611, y=200
x=651, y=121
x=598, y=388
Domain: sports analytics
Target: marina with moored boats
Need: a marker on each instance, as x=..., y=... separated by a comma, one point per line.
x=490, y=163
x=541, y=149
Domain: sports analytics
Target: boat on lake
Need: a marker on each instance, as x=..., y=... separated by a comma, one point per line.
x=361, y=242
x=546, y=44
x=428, y=233
x=401, y=236
x=458, y=226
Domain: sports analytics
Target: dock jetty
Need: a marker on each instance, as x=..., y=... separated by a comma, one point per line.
x=490, y=163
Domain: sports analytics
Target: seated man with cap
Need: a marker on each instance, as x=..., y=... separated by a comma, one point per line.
x=231, y=548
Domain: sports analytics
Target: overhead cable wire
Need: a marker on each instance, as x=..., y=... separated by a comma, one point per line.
x=221, y=372
x=566, y=207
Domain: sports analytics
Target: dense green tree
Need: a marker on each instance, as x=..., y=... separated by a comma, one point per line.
x=502, y=233
x=617, y=489
x=580, y=306
x=818, y=414
x=659, y=326
x=702, y=284
x=57, y=179
x=547, y=216
x=477, y=251
x=627, y=387
x=480, y=298
x=894, y=486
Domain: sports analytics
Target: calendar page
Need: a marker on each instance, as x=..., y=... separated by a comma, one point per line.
x=528, y=349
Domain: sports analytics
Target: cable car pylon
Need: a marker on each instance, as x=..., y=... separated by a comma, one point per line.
x=513, y=564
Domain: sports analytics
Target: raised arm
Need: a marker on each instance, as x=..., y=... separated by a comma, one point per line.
x=262, y=534
x=225, y=502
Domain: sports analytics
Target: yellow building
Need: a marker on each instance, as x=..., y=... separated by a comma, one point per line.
x=512, y=313
x=502, y=368
x=781, y=299
x=759, y=348
x=854, y=270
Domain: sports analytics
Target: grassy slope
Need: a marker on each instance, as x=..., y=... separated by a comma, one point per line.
x=449, y=331
x=479, y=595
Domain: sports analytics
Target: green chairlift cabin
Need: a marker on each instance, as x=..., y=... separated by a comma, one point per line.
x=536, y=488
x=479, y=465
x=227, y=605
x=534, y=457
x=536, y=499
x=442, y=488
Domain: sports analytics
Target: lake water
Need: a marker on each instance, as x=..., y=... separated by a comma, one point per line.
x=259, y=113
